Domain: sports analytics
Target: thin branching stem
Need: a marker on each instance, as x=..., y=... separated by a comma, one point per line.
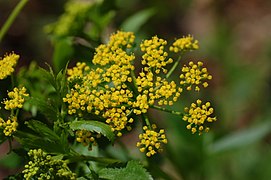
x=147, y=121
x=174, y=67
x=167, y=110
x=11, y=18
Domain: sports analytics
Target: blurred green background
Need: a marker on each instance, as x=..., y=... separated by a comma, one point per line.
x=235, y=45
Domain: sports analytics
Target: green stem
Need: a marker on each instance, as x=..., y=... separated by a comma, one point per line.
x=11, y=18
x=147, y=121
x=92, y=158
x=167, y=110
x=10, y=145
x=174, y=67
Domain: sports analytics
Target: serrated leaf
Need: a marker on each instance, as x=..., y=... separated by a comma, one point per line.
x=32, y=141
x=43, y=130
x=61, y=81
x=135, y=22
x=95, y=126
x=48, y=75
x=133, y=171
x=44, y=107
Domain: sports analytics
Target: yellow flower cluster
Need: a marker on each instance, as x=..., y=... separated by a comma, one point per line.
x=184, y=44
x=17, y=98
x=77, y=72
x=44, y=166
x=154, y=88
x=155, y=57
x=194, y=74
x=86, y=138
x=9, y=126
x=103, y=91
x=197, y=116
x=7, y=64
x=151, y=141
x=112, y=92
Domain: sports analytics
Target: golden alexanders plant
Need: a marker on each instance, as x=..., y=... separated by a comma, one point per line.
x=100, y=100
x=111, y=90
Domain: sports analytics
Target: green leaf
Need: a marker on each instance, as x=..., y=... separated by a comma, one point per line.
x=241, y=138
x=61, y=81
x=95, y=126
x=133, y=171
x=43, y=130
x=32, y=141
x=48, y=75
x=135, y=22
x=62, y=53
x=46, y=108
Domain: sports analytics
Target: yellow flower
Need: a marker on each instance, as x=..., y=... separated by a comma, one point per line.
x=78, y=71
x=198, y=115
x=184, y=44
x=194, y=74
x=17, y=98
x=87, y=138
x=7, y=65
x=9, y=126
x=103, y=90
x=153, y=88
x=155, y=57
x=151, y=141
x=45, y=166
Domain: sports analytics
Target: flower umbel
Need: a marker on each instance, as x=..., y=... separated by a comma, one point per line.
x=44, y=166
x=198, y=115
x=7, y=65
x=113, y=93
x=186, y=43
x=155, y=57
x=17, y=98
x=194, y=74
x=9, y=126
x=151, y=141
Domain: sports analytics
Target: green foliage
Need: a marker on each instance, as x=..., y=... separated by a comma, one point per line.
x=242, y=138
x=93, y=126
x=12, y=161
x=133, y=171
x=136, y=21
x=81, y=25
x=43, y=137
x=47, y=108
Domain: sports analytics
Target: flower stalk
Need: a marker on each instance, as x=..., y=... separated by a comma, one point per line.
x=11, y=18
